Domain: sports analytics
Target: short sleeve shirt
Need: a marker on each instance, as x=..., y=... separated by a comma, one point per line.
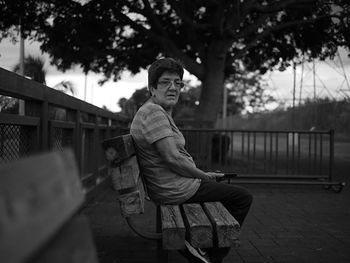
x=150, y=124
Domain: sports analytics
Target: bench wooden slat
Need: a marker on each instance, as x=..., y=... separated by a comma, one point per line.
x=118, y=148
x=133, y=203
x=200, y=232
x=173, y=227
x=126, y=175
x=225, y=225
x=124, y=170
x=37, y=196
x=73, y=244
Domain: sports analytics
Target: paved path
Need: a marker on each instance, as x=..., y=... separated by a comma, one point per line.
x=286, y=224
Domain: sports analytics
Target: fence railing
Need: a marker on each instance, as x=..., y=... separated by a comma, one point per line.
x=264, y=154
x=52, y=121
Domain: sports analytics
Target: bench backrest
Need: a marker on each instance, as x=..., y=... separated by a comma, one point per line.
x=38, y=195
x=125, y=173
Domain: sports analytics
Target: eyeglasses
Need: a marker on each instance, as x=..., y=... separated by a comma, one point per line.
x=164, y=84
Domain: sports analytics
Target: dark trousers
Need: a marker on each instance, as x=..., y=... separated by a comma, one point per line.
x=237, y=201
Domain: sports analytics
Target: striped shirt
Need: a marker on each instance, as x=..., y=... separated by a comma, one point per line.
x=150, y=124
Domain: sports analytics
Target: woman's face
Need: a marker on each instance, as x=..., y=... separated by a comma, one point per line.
x=167, y=90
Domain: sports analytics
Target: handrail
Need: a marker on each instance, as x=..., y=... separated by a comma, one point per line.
x=18, y=86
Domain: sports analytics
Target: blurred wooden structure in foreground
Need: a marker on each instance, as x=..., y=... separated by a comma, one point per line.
x=39, y=197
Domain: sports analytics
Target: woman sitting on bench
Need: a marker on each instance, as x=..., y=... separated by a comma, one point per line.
x=171, y=175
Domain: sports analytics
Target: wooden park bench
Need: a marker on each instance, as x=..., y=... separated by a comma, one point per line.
x=203, y=225
x=39, y=200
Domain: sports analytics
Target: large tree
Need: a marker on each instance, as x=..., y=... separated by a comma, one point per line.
x=212, y=38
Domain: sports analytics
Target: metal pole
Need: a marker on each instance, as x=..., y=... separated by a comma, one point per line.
x=85, y=86
x=21, y=104
x=331, y=155
x=314, y=84
x=314, y=78
x=92, y=93
x=294, y=83
x=301, y=82
x=345, y=76
x=224, y=107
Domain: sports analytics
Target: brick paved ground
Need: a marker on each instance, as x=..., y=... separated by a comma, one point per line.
x=286, y=224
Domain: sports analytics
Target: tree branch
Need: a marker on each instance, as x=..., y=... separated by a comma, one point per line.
x=218, y=20
x=267, y=32
x=187, y=20
x=139, y=27
x=247, y=7
x=154, y=21
x=265, y=10
x=168, y=45
x=248, y=29
x=278, y=6
x=234, y=15
x=191, y=65
x=191, y=28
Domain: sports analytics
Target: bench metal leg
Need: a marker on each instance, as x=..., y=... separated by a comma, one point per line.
x=162, y=254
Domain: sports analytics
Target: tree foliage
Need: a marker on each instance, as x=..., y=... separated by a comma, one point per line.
x=34, y=68
x=212, y=38
x=247, y=93
x=8, y=104
x=131, y=105
x=244, y=92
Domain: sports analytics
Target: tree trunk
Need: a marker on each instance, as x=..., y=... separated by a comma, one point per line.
x=212, y=83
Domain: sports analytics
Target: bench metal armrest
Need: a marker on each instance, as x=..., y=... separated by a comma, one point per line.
x=144, y=234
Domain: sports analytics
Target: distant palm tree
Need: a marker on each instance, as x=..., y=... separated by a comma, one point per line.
x=65, y=86
x=34, y=68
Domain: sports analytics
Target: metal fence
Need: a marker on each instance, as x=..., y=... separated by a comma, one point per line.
x=53, y=121
x=265, y=156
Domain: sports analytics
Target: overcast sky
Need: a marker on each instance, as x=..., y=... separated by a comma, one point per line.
x=330, y=78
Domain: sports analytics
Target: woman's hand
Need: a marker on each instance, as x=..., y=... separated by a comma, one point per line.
x=214, y=176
